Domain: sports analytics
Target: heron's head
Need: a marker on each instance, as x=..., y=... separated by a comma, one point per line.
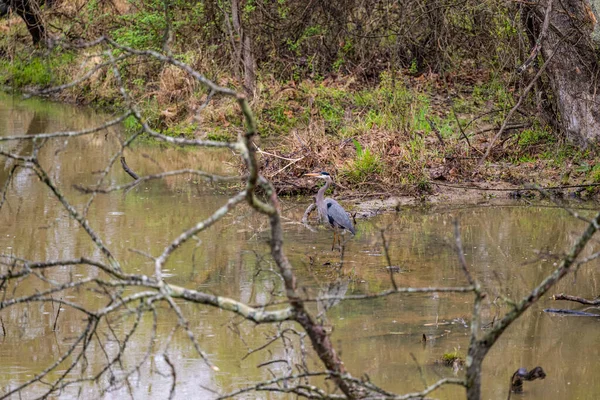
x=322, y=175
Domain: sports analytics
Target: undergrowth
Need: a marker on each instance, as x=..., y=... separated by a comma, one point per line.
x=36, y=70
x=400, y=130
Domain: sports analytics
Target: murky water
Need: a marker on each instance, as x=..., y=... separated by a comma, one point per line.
x=509, y=249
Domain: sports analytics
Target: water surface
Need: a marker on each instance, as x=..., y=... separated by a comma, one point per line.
x=509, y=249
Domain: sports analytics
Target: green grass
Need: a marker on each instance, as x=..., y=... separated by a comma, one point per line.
x=219, y=136
x=595, y=173
x=534, y=136
x=363, y=165
x=35, y=70
x=131, y=125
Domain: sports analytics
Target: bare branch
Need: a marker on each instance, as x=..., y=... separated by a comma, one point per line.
x=576, y=299
x=83, y=222
x=200, y=226
x=69, y=134
x=540, y=40
x=210, y=177
x=128, y=170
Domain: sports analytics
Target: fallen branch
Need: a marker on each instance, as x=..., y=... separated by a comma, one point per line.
x=127, y=169
x=576, y=299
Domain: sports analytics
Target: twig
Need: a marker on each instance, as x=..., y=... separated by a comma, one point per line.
x=386, y=251
x=69, y=134
x=185, y=236
x=210, y=177
x=56, y=318
x=435, y=130
x=127, y=169
x=173, y=374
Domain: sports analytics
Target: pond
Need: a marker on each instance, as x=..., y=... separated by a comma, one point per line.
x=509, y=249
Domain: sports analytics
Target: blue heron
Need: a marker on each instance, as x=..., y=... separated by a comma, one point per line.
x=330, y=210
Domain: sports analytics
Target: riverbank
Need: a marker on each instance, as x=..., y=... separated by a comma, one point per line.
x=406, y=133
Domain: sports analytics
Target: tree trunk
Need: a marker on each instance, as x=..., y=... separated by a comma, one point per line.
x=477, y=352
x=29, y=11
x=3, y=8
x=573, y=69
x=243, y=53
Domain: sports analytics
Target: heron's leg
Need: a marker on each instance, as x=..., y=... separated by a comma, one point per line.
x=338, y=238
x=333, y=244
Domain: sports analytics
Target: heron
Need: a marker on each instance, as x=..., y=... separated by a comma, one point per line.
x=330, y=211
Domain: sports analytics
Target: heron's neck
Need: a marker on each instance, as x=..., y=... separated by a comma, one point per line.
x=321, y=193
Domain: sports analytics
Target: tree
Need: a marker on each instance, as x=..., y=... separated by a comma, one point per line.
x=29, y=11
x=565, y=34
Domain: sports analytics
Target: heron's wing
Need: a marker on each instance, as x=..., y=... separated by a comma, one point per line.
x=337, y=215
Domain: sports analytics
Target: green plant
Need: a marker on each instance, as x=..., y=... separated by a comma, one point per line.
x=184, y=129
x=278, y=118
x=131, y=125
x=452, y=357
x=364, y=164
x=331, y=112
x=142, y=29
x=533, y=136
x=595, y=173
x=419, y=116
x=219, y=136
x=413, y=69
x=35, y=71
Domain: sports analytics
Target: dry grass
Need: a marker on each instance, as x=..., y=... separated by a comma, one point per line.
x=175, y=86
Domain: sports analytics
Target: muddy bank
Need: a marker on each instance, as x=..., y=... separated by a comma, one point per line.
x=448, y=196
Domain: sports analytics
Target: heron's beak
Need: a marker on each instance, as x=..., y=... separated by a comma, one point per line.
x=313, y=175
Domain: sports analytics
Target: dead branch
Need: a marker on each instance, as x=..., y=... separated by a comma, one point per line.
x=576, y=299
x=138, y=180
x=69, y=134
x=128, y=170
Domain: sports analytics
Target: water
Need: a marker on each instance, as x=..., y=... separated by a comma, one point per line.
x=509, y=249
